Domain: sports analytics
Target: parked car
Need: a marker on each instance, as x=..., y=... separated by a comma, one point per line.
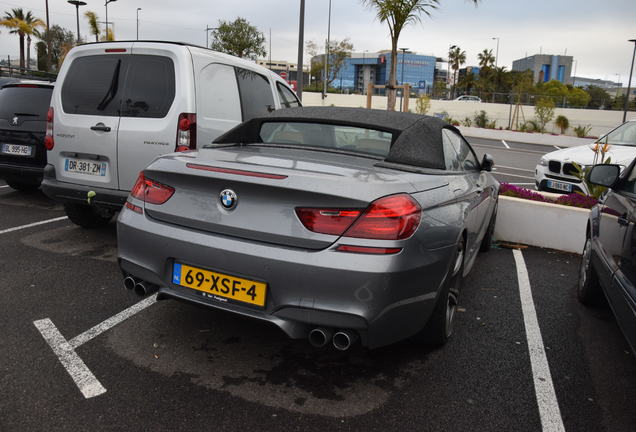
x=468, y=98
x=334, y=224
x=556, y=172
x=118, y=105
x=608, y=264
x=23, y=113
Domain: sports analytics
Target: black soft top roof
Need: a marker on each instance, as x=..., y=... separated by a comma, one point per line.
x=417, y=138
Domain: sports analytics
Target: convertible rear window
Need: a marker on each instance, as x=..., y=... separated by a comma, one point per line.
x=337, y=137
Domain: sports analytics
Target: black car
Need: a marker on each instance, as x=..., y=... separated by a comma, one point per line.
x=608, y=264
x=24, y=107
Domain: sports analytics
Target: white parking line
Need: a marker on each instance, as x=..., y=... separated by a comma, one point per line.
x=74, y=365
x=4, y=186
x=557, y=147
x=513, y=175
x=112, y=322
x=505, y=144
x=549, y=411
x=8, y=230
x=65, y=350
x=516, y=169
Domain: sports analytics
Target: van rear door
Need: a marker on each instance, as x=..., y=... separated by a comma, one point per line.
x=153, y=98
x=85, y=128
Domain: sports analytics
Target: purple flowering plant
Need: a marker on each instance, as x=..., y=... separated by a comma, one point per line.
x=573, y=199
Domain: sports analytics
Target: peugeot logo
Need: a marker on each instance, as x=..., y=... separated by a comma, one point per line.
x=14, y=121
x=228, y=199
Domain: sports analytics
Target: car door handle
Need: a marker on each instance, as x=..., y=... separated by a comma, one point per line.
x=623, y=221
x=101, y=127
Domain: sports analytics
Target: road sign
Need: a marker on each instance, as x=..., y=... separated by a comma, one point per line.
x=283, y=75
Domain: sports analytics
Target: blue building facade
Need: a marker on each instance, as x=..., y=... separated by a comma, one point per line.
x=361, y=69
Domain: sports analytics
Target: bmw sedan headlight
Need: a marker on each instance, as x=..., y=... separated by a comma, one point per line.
x=543, y=161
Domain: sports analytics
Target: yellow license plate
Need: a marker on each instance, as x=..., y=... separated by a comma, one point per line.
x=219, y=284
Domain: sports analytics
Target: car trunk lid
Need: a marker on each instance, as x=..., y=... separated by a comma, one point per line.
x=270, y=184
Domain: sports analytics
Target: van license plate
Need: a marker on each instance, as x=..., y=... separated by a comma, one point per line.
x=81, y=166
x=16, y=149
x=565, y=187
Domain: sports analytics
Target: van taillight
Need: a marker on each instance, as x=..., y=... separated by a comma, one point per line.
x=49, y=142
x=394, y=217
x=151, y=191
x=186, y=132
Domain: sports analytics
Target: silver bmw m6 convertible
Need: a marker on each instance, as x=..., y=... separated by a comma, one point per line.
x=340, y=225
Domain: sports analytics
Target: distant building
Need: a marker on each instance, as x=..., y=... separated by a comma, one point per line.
x=546, y=67
x=363, y=68
x=284, y=69
x=604, y=84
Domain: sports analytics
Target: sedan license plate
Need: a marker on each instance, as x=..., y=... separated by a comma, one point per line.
x=82, y=166
x=565, y=187
x=17, y=149
x=219, y=285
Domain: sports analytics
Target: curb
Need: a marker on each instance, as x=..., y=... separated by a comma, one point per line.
x=525, y=137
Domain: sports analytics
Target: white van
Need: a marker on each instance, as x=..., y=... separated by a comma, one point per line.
x=118, y=105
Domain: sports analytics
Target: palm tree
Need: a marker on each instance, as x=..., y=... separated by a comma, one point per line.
x=456, y=58
x=93, y=23
x=22, y=24
x=486, y=59
x=398, y=14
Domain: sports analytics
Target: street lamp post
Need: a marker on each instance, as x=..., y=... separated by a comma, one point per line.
x=138, y=9
x=207, y=34
x=77, y=4
x=497, y=52
x=300, y=70
x=106, y=6
x=629, y=83
x=324, y=90
x=363, y=81
x=402, y=79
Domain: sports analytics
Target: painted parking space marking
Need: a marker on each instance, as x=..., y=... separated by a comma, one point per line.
x=4, y=186
x=84, y=379
x=516, y=169
x=499, y=173
x=21, y=227
x=505, y=144
x=549, y=411
x=74, y=365
x=557, y=147
x=112, y=321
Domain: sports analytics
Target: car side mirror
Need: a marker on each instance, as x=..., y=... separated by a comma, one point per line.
x=487, y=163
x=604, y=175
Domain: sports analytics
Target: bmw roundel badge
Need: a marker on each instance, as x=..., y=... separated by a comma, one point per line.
x=228, y=199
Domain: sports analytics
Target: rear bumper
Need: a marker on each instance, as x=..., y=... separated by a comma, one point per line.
x=75, y=193
x=23, y=173
x=383, y=298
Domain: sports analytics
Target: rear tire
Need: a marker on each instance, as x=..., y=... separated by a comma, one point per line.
x=486, y=242
x=22, y=186
x=589, y=291
x=87, y=216
x=439, y=328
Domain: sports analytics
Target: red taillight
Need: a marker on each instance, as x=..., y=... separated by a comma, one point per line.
x=134, y=208
x=395, y=217
x=49, y=142
x=151, y=191
x=186, y=132
x=327, y=221
x=115, y=50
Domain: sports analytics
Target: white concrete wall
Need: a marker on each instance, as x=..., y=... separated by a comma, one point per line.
x=601, y=121
x=541, y=224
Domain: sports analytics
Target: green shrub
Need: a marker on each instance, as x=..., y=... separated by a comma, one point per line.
x=422, y=104
x=467, y=122
x=562, y=123
x=544, y=112
x=481, y=119
x=582, y=131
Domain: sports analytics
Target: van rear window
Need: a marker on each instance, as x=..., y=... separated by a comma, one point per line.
x=91, y=86
x=33, y=102
x=114, y=85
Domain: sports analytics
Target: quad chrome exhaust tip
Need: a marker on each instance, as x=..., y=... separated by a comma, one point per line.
x=319, y=336
x=343, y=339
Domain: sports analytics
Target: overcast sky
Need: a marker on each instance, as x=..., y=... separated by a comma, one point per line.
x=594, y=32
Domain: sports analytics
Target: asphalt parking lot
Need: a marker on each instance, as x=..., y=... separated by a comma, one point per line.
x=173, y=366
